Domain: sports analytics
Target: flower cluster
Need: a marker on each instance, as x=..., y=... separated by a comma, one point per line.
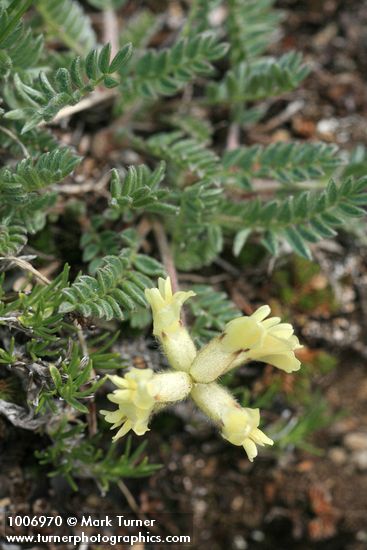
x=141, y=392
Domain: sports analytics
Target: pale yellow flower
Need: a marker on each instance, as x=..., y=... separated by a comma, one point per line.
x=167, y=326
x=245, y=332
x=135, y=387
x=139, y=394
x=135, y=400
x=266, y=340
x=129, y=418
x=248, y=339
x=166, y=306
x=238, y=425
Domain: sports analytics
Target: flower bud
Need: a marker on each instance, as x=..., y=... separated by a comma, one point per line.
x=139, y=394
x=248, y=339
x=167, y=326
x=238, y=425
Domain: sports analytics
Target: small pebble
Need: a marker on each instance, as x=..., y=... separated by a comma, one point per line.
x=258, y=536
x=338, y=455
x=327, y=127
x=356, y=441
x=360, y=459
x=239, y=543
x=200, y=507
x=361, y=536
x=237, y=503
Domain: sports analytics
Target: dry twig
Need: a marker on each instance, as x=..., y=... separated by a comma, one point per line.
x=111, y=30
x=26, y=266
x=16, y=140
x=87, y=103
x=165, y=253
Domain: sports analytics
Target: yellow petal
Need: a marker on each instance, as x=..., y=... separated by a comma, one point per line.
x=260, y=438
x=254, y=415
x=143, y=398
x=119, y=381
x=119, y=396
x=261, y=313
x=113, y=416
x=250, y=449
x=140, y=428
x=165, y=288
x=123, y=430
x=241, y=334
x=284, y=361
x=154, y=297
x=272, y=344
x=139, y=375
x=271, y=322
x=283, y=330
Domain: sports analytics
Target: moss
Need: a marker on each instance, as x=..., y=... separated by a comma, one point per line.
x=252, y=254
x=304, y=270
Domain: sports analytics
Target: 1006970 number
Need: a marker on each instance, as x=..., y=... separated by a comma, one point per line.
x=34, y=521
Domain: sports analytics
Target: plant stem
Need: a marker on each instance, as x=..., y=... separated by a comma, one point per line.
x=167, y=258
x=23, y=264
x=17, y=141
x=165, y=253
